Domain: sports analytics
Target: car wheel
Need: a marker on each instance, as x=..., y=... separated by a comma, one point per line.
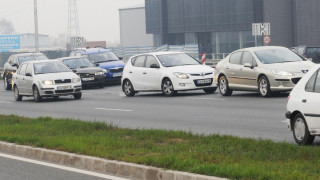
x=224, y=86
x=167, y=88
x=210, y=90
x=17, y=97
x=36, y=94
x=77, y=96
x=128, y=88
x=6, y=83
x=264, y=87
x=301, y=132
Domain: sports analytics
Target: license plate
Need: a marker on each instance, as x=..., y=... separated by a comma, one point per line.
x=63, y=87
x=88, y=79
x=204, y=81
x=117, y=74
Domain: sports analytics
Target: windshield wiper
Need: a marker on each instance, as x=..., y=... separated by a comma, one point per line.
x=83, y=66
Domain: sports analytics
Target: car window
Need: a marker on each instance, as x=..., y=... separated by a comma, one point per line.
x=29, y=69
x=310, y=85
x=139, y=61
x=151, y=60
x=248, y=58
x=235, y=58
x=178, y=59
x=14, y=60
x=317, y=84
x=23, y=69
x=50, y=67
x=271, y=56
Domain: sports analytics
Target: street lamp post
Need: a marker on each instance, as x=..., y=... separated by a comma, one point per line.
x=36, y=26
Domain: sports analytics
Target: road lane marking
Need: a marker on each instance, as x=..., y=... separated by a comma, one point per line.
x=65, y=168
x=6, y=102
x=108, y=109
x=208, y=99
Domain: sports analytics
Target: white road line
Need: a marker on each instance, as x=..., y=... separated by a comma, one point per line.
x=62, y=167
x=6, y=102
x=108, y=109
x=208, y=99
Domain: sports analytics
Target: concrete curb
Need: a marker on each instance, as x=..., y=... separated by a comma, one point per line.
x=116, y=168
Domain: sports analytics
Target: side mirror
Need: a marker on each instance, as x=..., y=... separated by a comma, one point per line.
x=120, y=58
x=28, y=74
x=15, y=65
x=248, y=65
x=155, y=66
x=74, y=70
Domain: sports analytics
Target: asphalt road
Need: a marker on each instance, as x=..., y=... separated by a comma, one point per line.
x=244, y=114
x=16, y=168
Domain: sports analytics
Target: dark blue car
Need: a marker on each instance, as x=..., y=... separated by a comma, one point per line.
x=104, y=58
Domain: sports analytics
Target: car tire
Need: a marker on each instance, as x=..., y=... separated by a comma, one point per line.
x=17, y=96
x=128, y=89
x=77, y=96
x=224, y=86
x=210, y=90
x=6, y=83
x=301, y=132
x=167, y=87
x=264, y=87
x=36, y=94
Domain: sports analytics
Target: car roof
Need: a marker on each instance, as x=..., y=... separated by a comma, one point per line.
x=160, y=53
x=73, y=57
x=42, y=61
x=259, y=48
x=92, y=51
x=27, y=54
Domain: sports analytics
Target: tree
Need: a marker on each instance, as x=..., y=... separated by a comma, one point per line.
x=6, y=27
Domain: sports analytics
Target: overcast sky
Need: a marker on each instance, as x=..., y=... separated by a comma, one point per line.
x=98, y=19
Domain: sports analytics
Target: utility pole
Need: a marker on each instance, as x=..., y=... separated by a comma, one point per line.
x=36, y=26
x=73, y=29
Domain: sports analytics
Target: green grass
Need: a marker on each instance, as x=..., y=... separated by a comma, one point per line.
x=214, y=155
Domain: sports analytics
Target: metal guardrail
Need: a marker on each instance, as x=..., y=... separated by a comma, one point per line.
x=1, y=72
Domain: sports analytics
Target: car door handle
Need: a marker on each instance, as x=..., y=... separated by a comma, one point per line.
x=130, y=72
x=304, y=100
x=144, y=73
x=227, y=67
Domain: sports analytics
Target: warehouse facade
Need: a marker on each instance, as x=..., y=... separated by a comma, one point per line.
x=221, y=26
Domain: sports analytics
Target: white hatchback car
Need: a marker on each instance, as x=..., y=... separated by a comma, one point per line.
x=168, y=72
x=303, y=108
x=47, y=78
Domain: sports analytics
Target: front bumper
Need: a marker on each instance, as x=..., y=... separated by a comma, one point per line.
x=280, y=83
x=60, y=90
x=93, y=80
x=193, y=83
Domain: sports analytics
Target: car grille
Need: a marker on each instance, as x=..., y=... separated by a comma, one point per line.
x=62, y=81
x=64, y=91
x=202, y=74
x=295, y=80
x=114, y=70
x=86, y=75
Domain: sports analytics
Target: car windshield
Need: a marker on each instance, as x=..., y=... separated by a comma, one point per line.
x=77, y=63
x=103, y=57
x=31, y=58
x=271, y=56
x=181, y=59
x=50, y=67
x=312, y=51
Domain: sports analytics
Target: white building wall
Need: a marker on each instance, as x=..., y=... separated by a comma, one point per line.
x=133, y=28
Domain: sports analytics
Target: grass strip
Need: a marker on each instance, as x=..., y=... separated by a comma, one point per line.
x=214, y=155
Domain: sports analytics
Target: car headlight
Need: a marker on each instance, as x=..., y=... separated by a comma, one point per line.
x=181, y=75
x=282, y=73
x=75, y=80
x=48, y=82
x=99, y=73
x=104, y=70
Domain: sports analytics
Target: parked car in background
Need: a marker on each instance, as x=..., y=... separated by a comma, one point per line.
x=303, y=108
x=168, y=72
x=265, y=69
x=105, y=59
x=13, y=64
x=45, y=79
x=312, y=53
x=90, y=74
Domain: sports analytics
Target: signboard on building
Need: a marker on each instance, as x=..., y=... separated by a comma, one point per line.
x=77, y=41
x=261, y=29
x=9, y=42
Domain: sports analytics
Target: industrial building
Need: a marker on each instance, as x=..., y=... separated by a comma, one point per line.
x=221, y=26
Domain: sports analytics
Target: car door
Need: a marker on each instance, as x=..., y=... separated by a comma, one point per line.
x=311, y=101
x=136, y=72
x=248, y=75
x=151, y=75
x=20, y=79
x=28, y=79
x=232, y=69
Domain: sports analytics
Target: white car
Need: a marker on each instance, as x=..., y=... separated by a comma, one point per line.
x=48, y=78
x=168, y=72
x=303, y=108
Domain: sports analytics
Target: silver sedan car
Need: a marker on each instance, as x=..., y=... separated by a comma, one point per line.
x=48, y=78
x=262, y=69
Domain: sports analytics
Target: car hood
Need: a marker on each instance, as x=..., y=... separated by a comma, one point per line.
x=191, y=69
x=54, y=76
x=89, y=70
x=293, y=67
x=111, y=64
